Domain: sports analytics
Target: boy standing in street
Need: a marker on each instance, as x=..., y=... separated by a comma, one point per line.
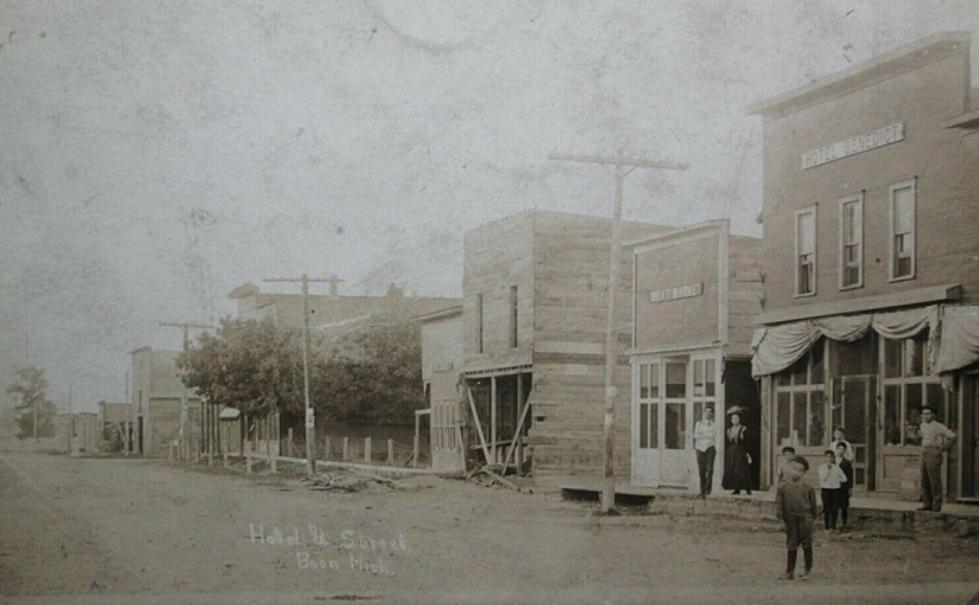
x=831, y=480
x=788, y=453
x=795, y=506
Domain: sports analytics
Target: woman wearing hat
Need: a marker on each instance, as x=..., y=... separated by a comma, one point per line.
x=737, y=460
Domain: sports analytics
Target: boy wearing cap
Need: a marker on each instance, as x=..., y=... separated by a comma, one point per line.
x=795, y=506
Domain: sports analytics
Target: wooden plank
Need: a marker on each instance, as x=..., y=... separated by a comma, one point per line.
x=479, y=425
x=523, y=417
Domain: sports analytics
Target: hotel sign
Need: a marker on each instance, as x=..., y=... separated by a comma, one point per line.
x=685, y=291
x=853, y=145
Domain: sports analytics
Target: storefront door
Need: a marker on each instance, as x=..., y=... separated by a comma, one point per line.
x=855, y=409
x=662, y=421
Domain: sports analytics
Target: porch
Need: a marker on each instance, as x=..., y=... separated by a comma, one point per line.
x=865, y=511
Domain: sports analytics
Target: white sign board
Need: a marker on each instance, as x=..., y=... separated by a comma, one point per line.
x=309, y=418
x=854, y=145
x=685, y=291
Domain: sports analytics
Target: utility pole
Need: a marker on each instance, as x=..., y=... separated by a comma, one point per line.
x=304, y=280
x=186, y=326
x=623, y=167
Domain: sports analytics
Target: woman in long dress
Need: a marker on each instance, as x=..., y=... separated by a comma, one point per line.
x=737, y=461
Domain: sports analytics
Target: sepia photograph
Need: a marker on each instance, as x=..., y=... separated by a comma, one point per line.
x=489, y=301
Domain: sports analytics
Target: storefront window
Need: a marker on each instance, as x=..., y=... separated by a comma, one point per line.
x=676, y=429
x=892, y=415
x=676, y=380
x=783, y=414
x=906, y=383
x=893, y=358
x=817, y=419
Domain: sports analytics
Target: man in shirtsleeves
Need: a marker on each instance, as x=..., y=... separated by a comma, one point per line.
x=935, y=439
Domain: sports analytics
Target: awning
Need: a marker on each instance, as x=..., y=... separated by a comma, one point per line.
x=959, y=346
x=775, y=348
x=229, y=414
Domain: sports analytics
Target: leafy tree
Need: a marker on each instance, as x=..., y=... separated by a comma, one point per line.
x=32, y=402
x=373, y=376
x=248, y=364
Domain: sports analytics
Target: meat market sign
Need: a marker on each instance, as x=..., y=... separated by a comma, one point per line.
x=685, y=291
x=853, y=145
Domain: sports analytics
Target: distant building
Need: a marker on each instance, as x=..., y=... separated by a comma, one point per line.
x=871, y=265
x=287, y=309
x=534, y=314
x=113, y=422
x=157, y=393
x=442, y=361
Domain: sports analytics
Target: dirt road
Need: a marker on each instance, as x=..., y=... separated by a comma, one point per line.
x=116, y=530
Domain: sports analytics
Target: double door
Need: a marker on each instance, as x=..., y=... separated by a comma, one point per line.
x=669, y=394
x=854, y=407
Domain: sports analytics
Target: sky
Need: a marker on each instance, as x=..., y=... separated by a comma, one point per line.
x=156, y=154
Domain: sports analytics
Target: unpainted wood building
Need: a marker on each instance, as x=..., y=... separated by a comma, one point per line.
x=534, y=316
x=441, y=339
x=157, y=393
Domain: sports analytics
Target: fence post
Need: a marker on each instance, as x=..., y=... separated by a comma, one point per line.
x=367, y=450
x=346, y=449
x=326, y=448
x=391, y=451
x=248, y=457
x=289, y=442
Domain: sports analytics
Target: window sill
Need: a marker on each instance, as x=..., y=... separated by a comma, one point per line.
x=892, y=280
x=806, y=295
x=853, y=287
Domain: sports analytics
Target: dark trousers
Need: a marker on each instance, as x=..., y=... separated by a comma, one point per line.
x=830, y=506
x=843, y=504
x=705, y=464
x=931, y=478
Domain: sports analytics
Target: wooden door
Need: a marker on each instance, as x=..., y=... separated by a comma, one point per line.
x=854, y=407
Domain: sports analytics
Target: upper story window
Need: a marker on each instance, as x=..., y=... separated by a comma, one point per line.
x=805, y=252
x=513, y=317
x=479, y=323
x=902, y=230
x=851, y=242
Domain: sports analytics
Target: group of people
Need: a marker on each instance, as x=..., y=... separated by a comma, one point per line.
x=795, y=500
x=737, y=459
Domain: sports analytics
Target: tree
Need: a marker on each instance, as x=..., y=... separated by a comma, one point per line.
x=36, y=411
x=248, y=364
x=373, y=376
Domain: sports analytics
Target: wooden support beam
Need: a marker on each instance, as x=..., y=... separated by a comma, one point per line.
x=516, y=436
x=493, y=417
x=415, y=445
x=461, y=446
x=479, y=425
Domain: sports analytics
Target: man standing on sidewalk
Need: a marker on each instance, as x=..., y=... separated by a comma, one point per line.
x=935, y=439
x=704, y=438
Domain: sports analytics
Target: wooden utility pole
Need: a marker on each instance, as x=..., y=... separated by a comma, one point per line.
x=310, y=423
x=623, y=167
x=186, y=327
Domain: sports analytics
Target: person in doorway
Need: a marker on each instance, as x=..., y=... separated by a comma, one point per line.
x=704, y=439
x=843, y=497
x=737, y=460
x=935, y=439
x=788, y=453
x=795, y=506
x=839, y=436
x=831, y=479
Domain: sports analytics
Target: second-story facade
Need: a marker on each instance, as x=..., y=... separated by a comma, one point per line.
x=871, y=221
